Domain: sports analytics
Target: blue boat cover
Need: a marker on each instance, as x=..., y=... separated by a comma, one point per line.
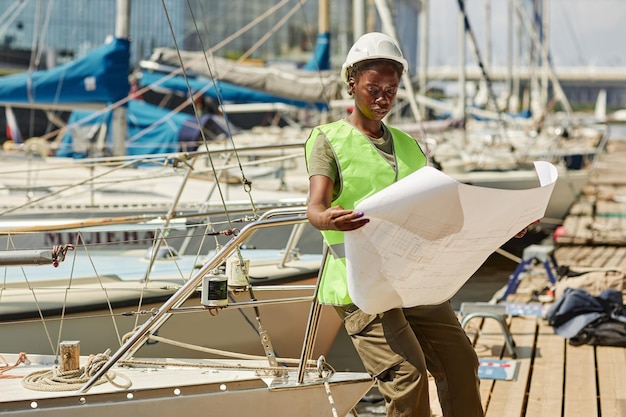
x=101, y=76
x=321, y=54
x=151, y=130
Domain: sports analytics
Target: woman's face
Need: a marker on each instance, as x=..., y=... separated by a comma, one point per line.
x=375, y=89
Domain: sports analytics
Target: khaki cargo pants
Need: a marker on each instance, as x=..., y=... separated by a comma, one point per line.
x=399, y=346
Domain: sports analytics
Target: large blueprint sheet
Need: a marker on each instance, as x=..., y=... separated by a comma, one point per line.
x=428, y=234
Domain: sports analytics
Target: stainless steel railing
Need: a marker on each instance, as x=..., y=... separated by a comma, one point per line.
x=272, y=218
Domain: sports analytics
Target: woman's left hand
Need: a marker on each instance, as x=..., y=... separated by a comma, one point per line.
x=523, y=232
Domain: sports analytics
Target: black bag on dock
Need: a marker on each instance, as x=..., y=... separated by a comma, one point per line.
x=585, y=319
x=608, y=332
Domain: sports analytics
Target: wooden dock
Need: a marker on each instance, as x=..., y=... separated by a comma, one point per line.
x=554, y=378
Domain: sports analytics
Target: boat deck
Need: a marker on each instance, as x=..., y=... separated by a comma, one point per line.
x=226, y=387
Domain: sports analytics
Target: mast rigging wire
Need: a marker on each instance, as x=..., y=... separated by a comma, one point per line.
x=502, y=123
x=246, y=183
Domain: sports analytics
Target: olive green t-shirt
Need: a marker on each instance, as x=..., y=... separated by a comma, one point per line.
x=322, y=159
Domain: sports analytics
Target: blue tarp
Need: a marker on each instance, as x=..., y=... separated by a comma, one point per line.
x=151, y=130
x=101, y=76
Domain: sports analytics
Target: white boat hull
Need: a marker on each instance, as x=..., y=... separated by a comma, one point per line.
x=285, y=325
x=230, y=330
x=125, y=384
x=566, y=190
x=78, y=309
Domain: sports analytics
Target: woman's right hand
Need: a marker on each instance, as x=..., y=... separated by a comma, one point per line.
x=324, y=217
x=337, y=218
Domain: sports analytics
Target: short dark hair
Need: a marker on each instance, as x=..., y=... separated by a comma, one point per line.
x=355, y=70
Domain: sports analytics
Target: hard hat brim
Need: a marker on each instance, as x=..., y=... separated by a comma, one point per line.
x=346, y=66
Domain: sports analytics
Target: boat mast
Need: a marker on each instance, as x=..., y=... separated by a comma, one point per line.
x=545, y=69
x=324, y=16
x=389, y=29
x=517, y=58
x=487, y=45
x=461, y=112
x=509, y=58
x=488, y=54
x=556, y=85
x=119, y=124
x=358, y=18
x=424, y=29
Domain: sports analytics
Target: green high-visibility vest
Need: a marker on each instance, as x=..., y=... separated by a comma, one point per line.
x=363, y=171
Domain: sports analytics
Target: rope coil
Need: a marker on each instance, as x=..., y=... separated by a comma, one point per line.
x=56, y=380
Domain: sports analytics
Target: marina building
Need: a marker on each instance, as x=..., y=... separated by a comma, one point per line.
x=66, y=29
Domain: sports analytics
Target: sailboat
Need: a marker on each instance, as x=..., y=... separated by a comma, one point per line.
x=116, y=290
x=125, y=382
x=141, y=225
x=194, y=302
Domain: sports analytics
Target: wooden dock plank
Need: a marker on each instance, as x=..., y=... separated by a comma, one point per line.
x=509, y=397
x=573, y=255
x=602, y=256
x=617, y=260
x=545, y=397
x=592, y=379
x=580, y=382
x=612, y=380
x=489, y=344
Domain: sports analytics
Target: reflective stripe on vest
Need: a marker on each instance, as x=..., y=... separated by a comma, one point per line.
x=338, y=250
x=360, y=177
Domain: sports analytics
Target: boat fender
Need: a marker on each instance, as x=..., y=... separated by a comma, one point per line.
x=237, y=275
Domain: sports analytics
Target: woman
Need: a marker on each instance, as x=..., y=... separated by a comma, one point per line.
x=349, y=160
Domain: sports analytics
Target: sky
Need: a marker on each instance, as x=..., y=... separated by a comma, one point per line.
x=582, y=32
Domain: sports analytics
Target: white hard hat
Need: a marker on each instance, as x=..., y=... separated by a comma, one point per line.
x=373, y=45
